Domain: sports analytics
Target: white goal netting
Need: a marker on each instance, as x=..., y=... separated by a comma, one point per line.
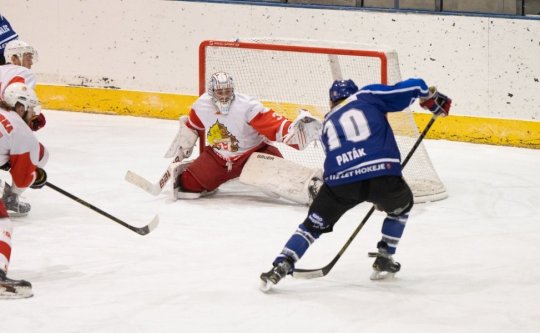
x=288, y=75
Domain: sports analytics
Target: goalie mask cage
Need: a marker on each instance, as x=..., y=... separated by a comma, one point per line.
x=287, y=75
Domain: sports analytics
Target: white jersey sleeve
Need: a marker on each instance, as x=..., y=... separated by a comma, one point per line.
x=20, y=147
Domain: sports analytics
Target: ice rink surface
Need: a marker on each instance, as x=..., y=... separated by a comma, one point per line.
x=469, y=263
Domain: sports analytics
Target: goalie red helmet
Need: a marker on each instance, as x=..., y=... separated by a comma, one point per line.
x=342, y=89
x=221, y=90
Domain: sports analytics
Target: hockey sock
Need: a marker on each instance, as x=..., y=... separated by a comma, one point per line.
x=297, y=245
x=392, y=229
x=6, y=229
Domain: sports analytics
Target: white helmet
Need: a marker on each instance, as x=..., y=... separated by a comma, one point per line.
x=18, y=92
x=221, y=89
x=19, y=48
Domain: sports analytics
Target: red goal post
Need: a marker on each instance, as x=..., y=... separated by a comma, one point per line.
x=288, y=75
x=284, y=48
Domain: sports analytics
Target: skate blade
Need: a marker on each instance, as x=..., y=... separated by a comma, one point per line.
x=15, y=292
x=266, y=286
x=377, y=276
x=16, y=214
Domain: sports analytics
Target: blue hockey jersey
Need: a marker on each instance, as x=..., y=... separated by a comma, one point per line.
x=357, y=138
x=6, y=33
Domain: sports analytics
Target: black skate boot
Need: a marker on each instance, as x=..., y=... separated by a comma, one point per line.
x=278, y=272
x=384, y=266
x=14, y=207
x=14, y=288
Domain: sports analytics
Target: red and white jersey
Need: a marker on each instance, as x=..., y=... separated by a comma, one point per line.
x=12, y=73
x=247, y=124
x=20, y=147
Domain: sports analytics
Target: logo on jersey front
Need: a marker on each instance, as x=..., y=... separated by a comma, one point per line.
x=219, y=137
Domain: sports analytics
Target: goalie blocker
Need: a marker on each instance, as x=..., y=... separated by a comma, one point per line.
x=281, y=177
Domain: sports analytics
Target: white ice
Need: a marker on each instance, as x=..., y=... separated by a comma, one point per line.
x=470, y=263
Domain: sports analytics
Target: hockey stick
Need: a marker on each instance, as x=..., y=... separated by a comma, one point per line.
x=152, y=188
x=140, y=230
x=320, y=272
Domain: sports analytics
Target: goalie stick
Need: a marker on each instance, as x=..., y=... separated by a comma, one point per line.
x=145, y=184
x=140, y=230
x=320, y=272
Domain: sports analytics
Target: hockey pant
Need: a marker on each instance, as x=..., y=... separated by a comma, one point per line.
x=388, y=193
x=208, y=171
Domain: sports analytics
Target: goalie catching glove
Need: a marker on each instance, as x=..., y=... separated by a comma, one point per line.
x=304, y=130
x=436, y=102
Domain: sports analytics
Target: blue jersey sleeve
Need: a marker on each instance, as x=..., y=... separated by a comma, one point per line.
x=394, y=98
x=6, y=33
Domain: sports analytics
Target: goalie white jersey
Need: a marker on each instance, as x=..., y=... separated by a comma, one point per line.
x=247, y=125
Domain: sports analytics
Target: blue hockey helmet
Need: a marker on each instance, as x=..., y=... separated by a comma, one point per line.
x=342, y=89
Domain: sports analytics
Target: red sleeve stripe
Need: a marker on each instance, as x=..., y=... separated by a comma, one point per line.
x=194, y=122
x=16, y=79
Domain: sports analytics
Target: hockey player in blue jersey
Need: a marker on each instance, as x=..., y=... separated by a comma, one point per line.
x=7, y=34
x=363, y=164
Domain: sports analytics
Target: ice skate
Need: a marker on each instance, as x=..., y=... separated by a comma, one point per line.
x=11, y=289
x=384, y=266
x=14, y=207
x=273, y=276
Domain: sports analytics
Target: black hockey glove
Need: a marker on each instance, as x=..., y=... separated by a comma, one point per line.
x=41, y=179
x=6, y=166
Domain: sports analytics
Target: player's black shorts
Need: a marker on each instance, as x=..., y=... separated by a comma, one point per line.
x=388, y=193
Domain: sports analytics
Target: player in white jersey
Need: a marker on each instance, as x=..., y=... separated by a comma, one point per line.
x=233, y=126
x=20, y=149
x=20, y=57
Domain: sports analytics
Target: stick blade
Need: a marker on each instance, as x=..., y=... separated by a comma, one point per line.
x=307, y=274
x=153, y=224
x=135, y=179
x=149, y=227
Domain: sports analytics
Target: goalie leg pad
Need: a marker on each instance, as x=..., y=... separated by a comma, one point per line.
x=185, y=139
x=282, y=177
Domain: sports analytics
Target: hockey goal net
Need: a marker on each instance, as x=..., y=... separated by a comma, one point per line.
x=291, y=75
